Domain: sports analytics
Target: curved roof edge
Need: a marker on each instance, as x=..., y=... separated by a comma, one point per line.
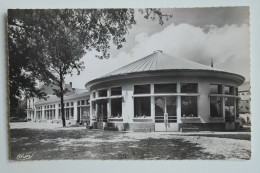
x=158, y=62
x=176, y=72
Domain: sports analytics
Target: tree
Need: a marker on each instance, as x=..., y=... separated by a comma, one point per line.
x=51, y=43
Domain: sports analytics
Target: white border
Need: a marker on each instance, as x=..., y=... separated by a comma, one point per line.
x=133, y=166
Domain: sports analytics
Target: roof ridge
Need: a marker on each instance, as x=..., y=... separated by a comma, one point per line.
x=169, y=62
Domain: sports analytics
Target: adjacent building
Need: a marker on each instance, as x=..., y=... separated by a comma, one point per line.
x=156, y=93
x=76, y=104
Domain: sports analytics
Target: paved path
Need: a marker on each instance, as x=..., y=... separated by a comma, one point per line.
x=55, y=126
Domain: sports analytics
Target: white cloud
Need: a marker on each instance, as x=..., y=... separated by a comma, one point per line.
x=228, y=46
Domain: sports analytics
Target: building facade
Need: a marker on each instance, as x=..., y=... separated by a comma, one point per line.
x=156, y=93
x=76, y=106
x=164, y=93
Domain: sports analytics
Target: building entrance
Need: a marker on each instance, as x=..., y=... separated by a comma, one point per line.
x=165, y=114
x=101, y=113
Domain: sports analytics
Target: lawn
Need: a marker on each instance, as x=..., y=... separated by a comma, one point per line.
x=53, y=144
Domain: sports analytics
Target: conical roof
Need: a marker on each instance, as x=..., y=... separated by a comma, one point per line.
x=159, y=61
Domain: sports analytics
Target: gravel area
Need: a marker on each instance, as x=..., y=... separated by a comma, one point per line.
x=79, y=143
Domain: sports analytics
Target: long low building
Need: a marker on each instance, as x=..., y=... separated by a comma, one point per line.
x=163, y=93
x=76, y=106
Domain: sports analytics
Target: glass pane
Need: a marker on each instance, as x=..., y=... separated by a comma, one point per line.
x=116, y=107
x=102, y=111
x=164, y=88
x=142, y=106
x=85, y=114
x=215, y=107
x=215, y=89
x=189, y=106
x=94, y=95
x=82, y=102
x=159, y=106
x=189, y=88
x=229, y=107
x=236, y=89
x=171, y=106
x=71, y=113
x=78, y=103
x=116, y=91
x=229, y=90
x=102, y=93
x=142, y=89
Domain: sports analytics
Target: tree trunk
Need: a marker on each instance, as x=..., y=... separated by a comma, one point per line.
x=62, y=111
x=61, y=100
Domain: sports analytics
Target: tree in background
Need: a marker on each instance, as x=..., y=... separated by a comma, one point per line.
x=49, y=44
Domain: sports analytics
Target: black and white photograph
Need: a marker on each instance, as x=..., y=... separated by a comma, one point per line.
x=129, y=84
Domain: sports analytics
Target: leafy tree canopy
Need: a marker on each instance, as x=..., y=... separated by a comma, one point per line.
x=48, y=44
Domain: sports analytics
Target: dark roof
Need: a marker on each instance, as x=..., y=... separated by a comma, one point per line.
x=48, y=89
x=159, y=61
x=244, y=87
x=54, y=98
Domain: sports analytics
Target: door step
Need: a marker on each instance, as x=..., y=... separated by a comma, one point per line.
x=189, y=129
x=111, y=128
x=142, y=130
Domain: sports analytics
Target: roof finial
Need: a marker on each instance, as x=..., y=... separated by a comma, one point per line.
x=211, y=62
x=158, y=51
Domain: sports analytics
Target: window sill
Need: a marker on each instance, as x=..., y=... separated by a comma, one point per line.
x=143, y=119
x=116, y=119
x=216, y=118
x=190, y=118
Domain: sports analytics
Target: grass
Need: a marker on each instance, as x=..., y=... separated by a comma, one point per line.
x=98, y=145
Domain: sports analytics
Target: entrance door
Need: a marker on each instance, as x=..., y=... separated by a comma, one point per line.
x=165, y=114
x=101, y=113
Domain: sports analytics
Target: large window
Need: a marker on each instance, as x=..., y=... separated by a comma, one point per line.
x=116, y=107
x=216, y=101
x=189, y=88
x=102, y=93
x=142, y=89
x=189, y=106
x=165, y=88
x=229, y=90
x=215, y=89
x=229, y=107
x=142, y=107
x=116, y=91
x=215, y=106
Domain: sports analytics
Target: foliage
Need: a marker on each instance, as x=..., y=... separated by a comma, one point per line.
x=49, y=44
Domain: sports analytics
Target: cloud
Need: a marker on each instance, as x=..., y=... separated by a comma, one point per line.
x=227, y=45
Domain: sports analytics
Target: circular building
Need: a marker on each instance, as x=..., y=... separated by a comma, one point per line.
x=164, y=93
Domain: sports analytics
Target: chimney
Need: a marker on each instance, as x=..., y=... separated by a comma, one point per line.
x=71, y=84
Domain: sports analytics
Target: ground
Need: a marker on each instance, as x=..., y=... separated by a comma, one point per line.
x=51, y=142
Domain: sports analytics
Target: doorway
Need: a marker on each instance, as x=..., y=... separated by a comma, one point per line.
x=101, y=113
x=165, y=114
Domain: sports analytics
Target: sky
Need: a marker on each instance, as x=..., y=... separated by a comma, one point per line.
x=196, y=34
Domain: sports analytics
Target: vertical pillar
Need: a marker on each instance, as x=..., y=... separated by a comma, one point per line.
x=108, y=103
x=57, y=111
x=127, y=103
x=223, y=104
x=75, y=110
x=178, y=105
x=43, y=112
x=152, y=103
x=203, y=101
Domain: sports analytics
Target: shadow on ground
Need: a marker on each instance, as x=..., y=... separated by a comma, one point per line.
x=83, y=144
